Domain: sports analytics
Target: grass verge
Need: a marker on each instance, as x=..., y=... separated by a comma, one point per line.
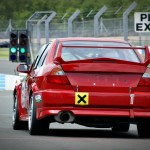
x=4, y=53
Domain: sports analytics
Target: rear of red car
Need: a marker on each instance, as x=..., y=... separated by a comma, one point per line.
x=98, y=84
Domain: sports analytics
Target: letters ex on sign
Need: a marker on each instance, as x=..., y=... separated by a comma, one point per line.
x=142, y=22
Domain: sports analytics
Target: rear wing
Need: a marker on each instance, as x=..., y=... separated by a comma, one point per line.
x=58, y=59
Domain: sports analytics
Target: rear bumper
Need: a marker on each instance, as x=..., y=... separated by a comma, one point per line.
x=100, y=104
x=98, y=112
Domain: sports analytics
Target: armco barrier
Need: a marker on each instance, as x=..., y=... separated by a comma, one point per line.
x=7, y=82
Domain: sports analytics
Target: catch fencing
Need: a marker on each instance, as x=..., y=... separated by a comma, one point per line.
x=41, y=30
x=108, y=28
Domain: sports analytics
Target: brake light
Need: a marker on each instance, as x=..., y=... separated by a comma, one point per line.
x=145, y=80
x=57, y=76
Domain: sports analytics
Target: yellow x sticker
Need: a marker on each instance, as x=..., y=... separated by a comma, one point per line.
x=81, y=98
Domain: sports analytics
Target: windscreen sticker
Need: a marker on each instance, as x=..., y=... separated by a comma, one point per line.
x=81, y=98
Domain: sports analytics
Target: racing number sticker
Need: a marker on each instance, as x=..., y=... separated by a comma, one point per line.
x=81, y=98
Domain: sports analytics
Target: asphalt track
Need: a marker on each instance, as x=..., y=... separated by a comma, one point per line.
x=7, y=67
x=62, y=137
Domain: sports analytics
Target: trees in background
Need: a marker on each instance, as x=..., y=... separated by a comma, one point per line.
x=23, y=9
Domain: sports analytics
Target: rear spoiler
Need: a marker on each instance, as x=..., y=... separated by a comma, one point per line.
x=58, y=59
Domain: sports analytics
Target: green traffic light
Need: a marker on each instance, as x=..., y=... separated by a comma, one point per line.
x=13, y=50
x=22, y=50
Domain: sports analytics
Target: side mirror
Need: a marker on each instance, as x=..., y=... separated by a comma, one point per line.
x=24, y=68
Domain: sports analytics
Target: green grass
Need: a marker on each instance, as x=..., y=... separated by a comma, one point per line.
x=4, y=53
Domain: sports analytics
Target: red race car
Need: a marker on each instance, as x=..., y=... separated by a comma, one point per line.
x=89, y=81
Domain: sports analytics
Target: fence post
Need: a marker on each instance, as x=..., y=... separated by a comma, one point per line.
x=125, y=20
x=29, y=29
x=38, y=31
x=70, y=20
x=48, y=20
x=29, y=22
x=96, y=17
x=9, y=28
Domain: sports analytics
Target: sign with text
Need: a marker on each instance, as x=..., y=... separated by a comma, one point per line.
x=142, y=22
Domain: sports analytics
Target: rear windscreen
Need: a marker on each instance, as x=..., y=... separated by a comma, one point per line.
x=83, y=53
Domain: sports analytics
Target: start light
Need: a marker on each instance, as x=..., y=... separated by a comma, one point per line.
x=13, y=57
x=22, y=50
x=13, y=50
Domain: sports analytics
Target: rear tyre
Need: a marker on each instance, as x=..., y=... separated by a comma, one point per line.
x=121, y=127
x=16, y=123
x=143, y=129
x=36, y=126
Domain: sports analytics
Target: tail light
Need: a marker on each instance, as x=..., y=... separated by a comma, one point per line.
x=145, y=80
x=57, y=76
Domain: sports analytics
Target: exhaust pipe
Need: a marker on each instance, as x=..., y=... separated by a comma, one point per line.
x=64, y=117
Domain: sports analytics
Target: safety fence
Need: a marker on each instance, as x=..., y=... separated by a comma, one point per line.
x=46, y=27
x=108, y=28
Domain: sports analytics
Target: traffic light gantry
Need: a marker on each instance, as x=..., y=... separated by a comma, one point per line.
x=23, y=45
x=13, y=46
x=18, y=46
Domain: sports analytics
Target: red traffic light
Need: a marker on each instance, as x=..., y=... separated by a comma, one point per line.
x=14, y=38
x=23, y=39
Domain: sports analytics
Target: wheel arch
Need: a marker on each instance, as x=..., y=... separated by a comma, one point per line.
x=30, y=94
x=33, y=89
x=14, y=92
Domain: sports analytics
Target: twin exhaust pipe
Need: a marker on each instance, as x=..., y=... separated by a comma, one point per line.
x=64, y=117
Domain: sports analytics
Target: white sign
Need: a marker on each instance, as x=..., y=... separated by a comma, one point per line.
x=142, y=22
